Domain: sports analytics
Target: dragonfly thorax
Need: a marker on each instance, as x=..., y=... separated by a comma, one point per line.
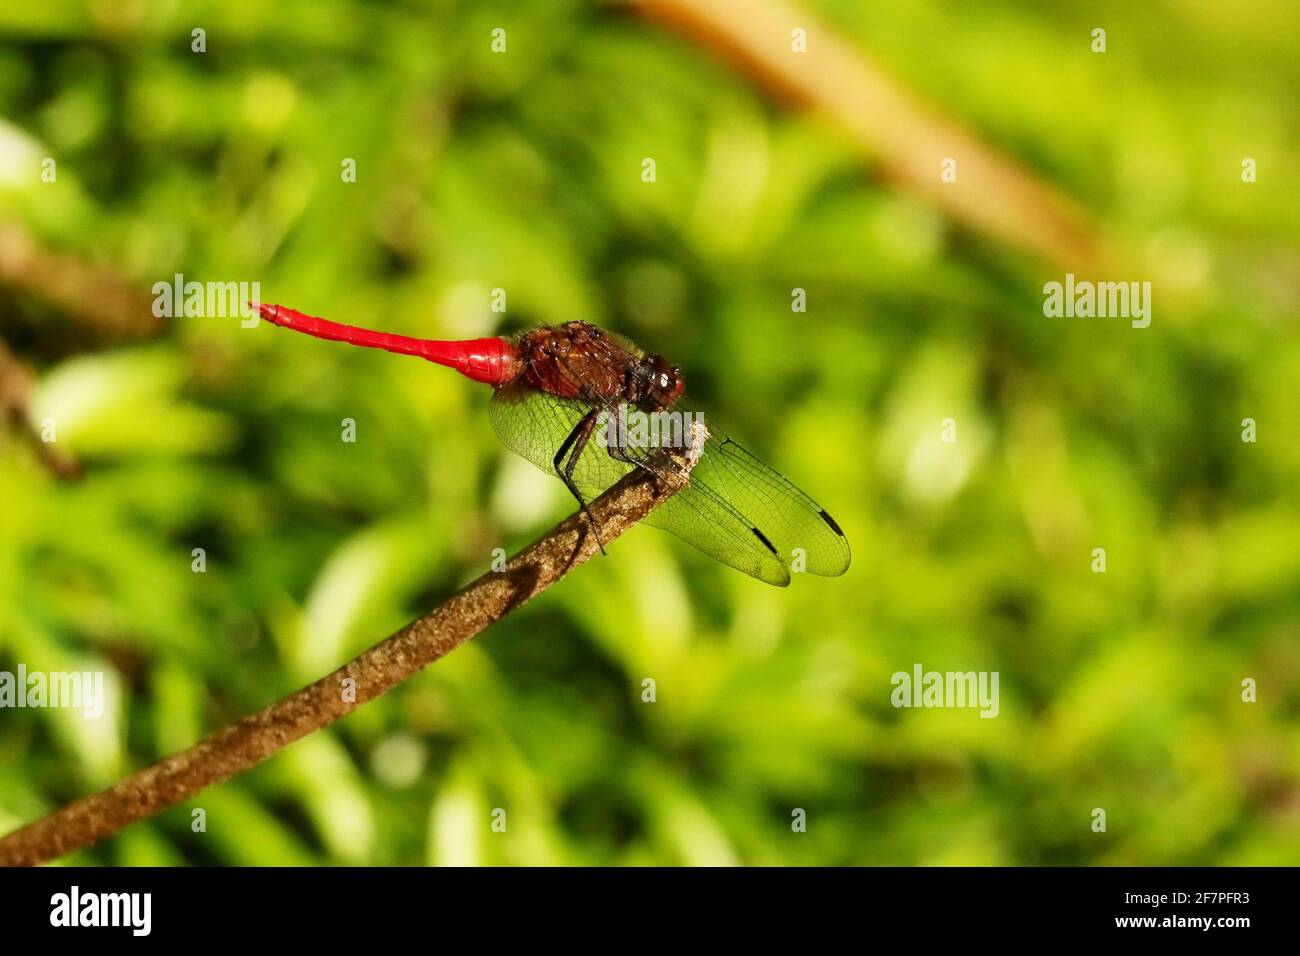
x=580, y=361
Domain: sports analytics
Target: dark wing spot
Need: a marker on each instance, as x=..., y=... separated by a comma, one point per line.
x=831, y=521
x=762, y=537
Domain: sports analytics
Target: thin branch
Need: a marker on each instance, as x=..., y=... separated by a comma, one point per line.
x=16, y=385
x=99, y=298
x=420, y=643
x=890, y=124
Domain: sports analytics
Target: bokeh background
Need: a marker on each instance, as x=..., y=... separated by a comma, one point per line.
x=522, y=171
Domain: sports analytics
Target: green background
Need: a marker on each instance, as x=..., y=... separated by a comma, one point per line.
x=522, y=171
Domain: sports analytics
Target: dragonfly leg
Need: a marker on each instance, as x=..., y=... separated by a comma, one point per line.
x=577, y=440
x=617, y=446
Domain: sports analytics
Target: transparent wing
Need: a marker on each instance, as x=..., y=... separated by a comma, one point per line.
x=534, y=425
x=787, y=516
x=706, y=522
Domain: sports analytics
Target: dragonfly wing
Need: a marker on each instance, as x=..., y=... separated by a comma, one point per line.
x=706, y=522
x=785, y=515
x=534, y=426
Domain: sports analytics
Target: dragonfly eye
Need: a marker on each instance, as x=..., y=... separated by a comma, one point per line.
x=663, y=382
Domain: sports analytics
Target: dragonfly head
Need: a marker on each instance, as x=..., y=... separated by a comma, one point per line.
x=663, y=383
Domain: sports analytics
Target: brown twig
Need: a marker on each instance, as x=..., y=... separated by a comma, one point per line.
x=909, y=138
x=97, y=297
x=420, y=643
x=16, y=385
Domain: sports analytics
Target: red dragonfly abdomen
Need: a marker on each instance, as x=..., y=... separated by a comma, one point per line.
x=493, y=361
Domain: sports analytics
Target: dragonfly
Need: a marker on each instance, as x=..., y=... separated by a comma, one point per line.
x=589, y=406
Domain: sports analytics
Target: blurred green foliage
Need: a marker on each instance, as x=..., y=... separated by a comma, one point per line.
x=522, y=171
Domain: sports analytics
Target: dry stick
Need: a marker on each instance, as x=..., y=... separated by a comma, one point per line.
x=16, y=385
x=420, y=643
x=99, y=298
x=908, y=138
